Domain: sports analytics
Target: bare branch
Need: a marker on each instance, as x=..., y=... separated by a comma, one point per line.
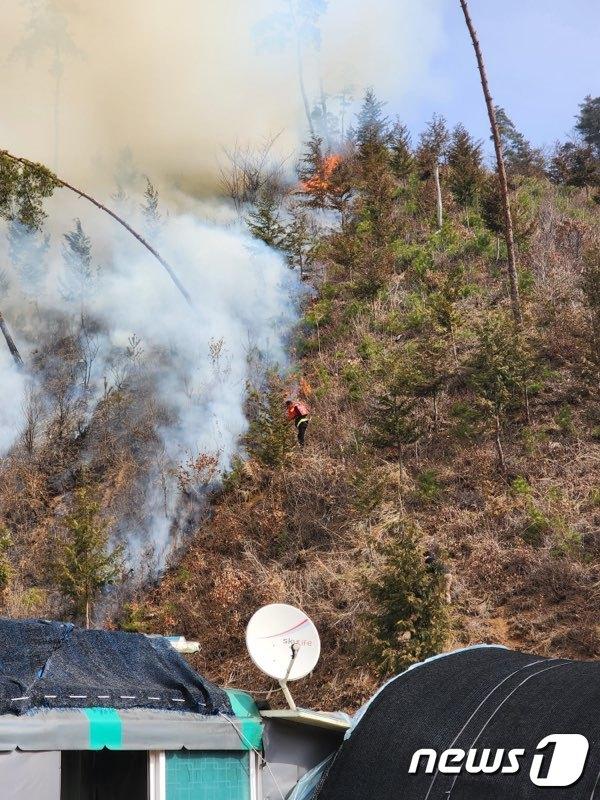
x=251, y=171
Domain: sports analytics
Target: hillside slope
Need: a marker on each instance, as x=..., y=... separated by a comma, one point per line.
x=449, y=489
x=437, y=427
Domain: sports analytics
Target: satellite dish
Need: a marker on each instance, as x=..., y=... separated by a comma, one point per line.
x=283, y=642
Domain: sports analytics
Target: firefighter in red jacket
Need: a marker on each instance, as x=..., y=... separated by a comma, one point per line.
x=297, y=413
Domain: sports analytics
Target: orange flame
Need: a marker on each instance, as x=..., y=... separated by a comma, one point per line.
x=320, y=181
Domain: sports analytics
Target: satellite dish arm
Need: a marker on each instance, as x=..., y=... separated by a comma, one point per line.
x=283, y=683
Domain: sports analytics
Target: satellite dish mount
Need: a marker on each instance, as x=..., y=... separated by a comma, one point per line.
x=284, y=681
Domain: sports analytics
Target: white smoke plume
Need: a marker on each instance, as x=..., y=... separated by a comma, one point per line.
x=12, y=395
x=194, y=361
x=177, y=83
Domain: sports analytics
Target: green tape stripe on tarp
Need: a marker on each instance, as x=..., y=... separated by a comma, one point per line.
x=106, y=728
x=248, y=716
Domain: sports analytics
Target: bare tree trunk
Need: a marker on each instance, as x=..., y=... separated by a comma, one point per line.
x=324, y=112
x=300, y=66
x=120, y=220
x=57, y=79
x=499, y=448
x=56, y=121
x=10, y=342
x=453, y=343
x=302, y=86
x=508, y=226
x=527, y=405
x=438, y=196
x=87, y=614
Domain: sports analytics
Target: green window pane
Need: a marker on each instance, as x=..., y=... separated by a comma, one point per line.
x=210, y=775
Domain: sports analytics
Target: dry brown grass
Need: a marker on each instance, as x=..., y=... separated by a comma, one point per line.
x=306, y=533
x=526, y=562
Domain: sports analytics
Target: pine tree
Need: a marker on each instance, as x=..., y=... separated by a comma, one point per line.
x=264, y=222
x=295, y=26
x=522, y=217
x=431, y=354
x=299, y=242
x=310, y=172
x=575, y=164
x=588, y=123
x=23, y=189
x=325, y=179
x=85, y=565
x=268, y=438
x=492, y=211
x=410, y=620
x=433, y=142
x=444, y=291
x=466, y=167
x=431, y=154
x=152, y=216
x=394, y=420
x=502, y=371
x=375, y=208
x=126, y=173
x=77, y=281
x=520, y=156
x=28, y=249
x=372, y=135
x=401, y=156
x=326, y=124
x=46, y=33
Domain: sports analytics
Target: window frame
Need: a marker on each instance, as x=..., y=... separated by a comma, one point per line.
x=157, y=775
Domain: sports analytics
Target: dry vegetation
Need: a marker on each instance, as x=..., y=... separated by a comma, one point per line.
x=432, y=412
x=519, y=527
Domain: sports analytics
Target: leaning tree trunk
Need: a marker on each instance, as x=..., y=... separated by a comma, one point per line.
x=508, y=226
x=10, y=342
x=60, y=182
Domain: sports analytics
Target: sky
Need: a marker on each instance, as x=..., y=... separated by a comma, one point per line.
x=180, y=81
x=542, y=57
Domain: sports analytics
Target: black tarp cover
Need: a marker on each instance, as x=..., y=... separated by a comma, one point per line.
x=481, y=697
x=56, y=665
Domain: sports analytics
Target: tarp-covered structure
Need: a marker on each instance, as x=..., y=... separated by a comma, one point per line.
x=57, y=665
x=117, y=716
x=477, y=701
x=64, y=688
x=122, y=716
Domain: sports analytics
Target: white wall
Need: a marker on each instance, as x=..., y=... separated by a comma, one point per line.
x=29, y=776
